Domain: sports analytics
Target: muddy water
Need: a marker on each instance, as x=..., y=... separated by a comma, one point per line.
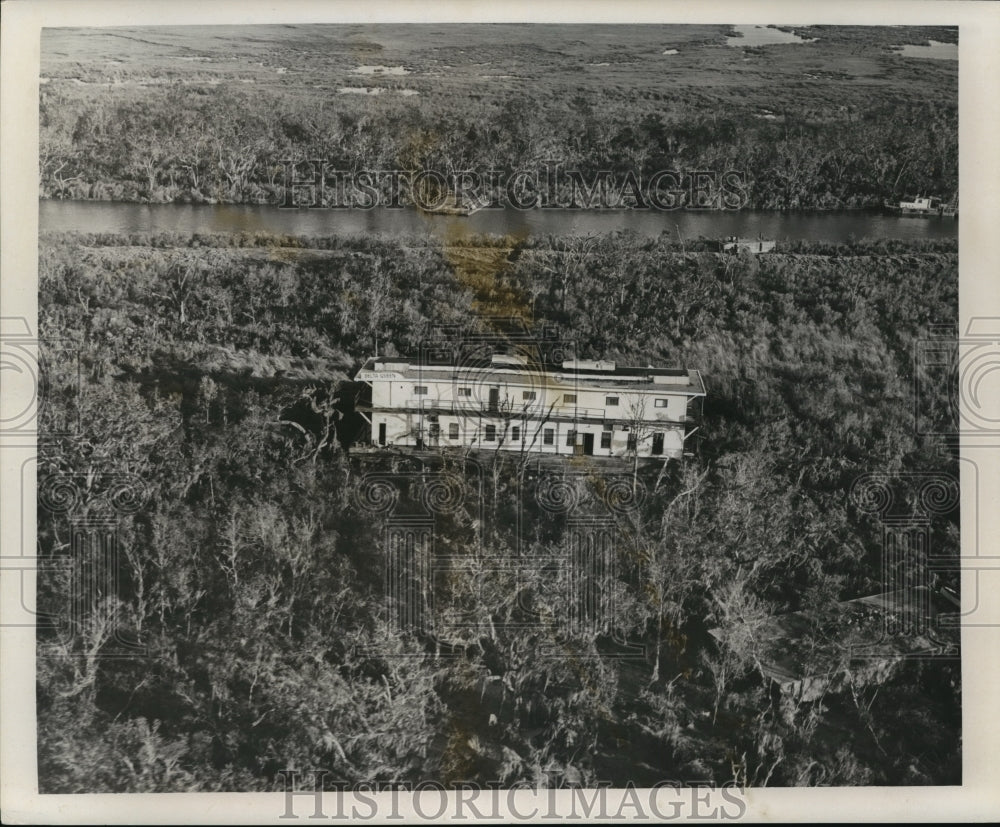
x=114, y=217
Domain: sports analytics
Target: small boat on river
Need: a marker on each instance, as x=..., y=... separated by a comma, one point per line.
x=926, y=206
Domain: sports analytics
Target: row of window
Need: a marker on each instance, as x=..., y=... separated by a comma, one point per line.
x=528, y=396
x=490, y=432
x=548, y=435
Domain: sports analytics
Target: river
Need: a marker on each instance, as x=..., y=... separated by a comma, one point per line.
x=837, y=226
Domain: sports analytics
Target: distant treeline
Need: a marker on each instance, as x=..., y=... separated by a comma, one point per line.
x=198, y=144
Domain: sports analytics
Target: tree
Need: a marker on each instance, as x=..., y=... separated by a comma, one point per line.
x=639, y=430
x=178, y=285
x=674, y=569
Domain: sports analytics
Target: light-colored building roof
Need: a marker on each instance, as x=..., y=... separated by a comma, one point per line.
x=584, y=374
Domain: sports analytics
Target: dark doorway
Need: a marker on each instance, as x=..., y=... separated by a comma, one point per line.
x=657, y=445
x=588, y=444
x=494, y=404
x=381, y=434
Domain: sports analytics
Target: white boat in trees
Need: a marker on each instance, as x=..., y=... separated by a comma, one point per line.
x=734, y=244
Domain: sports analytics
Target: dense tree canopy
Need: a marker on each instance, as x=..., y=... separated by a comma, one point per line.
x=251, y=576
x=843, y=121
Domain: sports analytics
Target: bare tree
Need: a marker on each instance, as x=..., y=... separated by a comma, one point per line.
x=54, y=155
x=673, y=574
x=236, y=163
x=177, y=286
x=378, y=294
x=639, y=430
x=741, y=616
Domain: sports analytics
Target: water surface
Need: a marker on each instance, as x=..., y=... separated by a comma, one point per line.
x=119, y=217
x=764, y=36
x=937, y=50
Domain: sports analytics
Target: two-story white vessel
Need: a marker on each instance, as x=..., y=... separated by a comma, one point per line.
x=512, y=403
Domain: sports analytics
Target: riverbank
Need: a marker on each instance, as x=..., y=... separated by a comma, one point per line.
x=268, y=195
x=276, y=196
x=270, y=243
